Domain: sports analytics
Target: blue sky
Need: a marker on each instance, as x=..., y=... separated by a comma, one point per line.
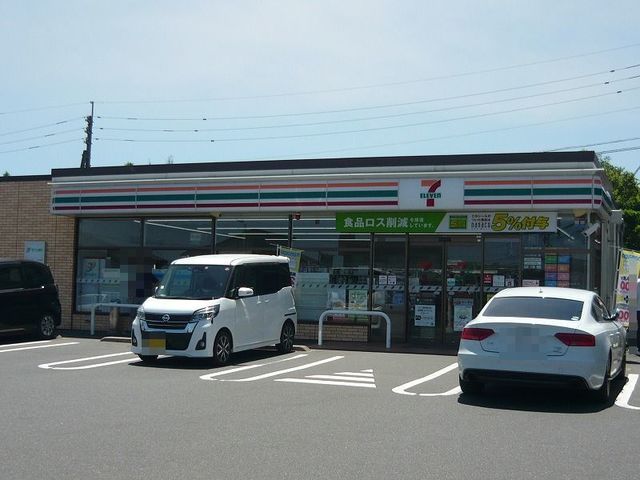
x=311, y=79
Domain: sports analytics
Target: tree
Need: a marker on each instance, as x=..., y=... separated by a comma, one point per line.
x=128, y=164
x=626, y=196
x=6, y=174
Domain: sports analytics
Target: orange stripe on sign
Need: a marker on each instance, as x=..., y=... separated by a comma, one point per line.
x=293, y=185
x=230, y=187
x=96, y=190
x=165, y=189
x=571, y=181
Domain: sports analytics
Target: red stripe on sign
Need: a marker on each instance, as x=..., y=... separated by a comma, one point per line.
x=569, y=201
x=227, y=205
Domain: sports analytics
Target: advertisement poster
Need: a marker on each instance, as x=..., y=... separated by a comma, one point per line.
x=425, y=316
x=627, y=286
x=357, y=299
x=34, y=250
x=462, y=313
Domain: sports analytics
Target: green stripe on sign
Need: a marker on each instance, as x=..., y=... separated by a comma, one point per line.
x=562, y=191
x=66, y=200
x=160, y=198
x=366, y=193
x=227, y=196
x=114, y=199
x=498, y=192
x=273, y=195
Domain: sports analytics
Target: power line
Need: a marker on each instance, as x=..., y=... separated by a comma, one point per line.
x=375, y=107
x=40, y=136
x=41, y=146
x=573, y=147
x=36, y=109
x=358, y=119
x=372, y=129
x=621, y=150
x=378, y=85
x=62, y=122
x=444, y=137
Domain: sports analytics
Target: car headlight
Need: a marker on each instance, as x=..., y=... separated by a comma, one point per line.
x=207, y=313
x=140, y=314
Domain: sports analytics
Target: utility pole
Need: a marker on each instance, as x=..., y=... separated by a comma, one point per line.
x=86, y=154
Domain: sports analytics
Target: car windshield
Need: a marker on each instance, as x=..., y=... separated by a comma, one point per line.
x=535, y=307
x=194, y=282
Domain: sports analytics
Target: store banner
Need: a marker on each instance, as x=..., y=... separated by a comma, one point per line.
x=627, y=286
x=444, y=222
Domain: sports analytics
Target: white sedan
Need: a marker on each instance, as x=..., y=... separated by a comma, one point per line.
x=543, y=335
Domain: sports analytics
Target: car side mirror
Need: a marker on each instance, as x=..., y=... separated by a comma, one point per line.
x=245, y=292
x=615, y=315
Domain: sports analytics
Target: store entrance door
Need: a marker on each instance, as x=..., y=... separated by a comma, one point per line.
x=444, y=279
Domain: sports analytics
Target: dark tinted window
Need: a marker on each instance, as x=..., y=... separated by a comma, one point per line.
x=36, y=276
x=534, y=307
x=10, y=277
x=263, y=278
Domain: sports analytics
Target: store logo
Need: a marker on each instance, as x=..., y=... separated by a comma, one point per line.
x=431, y=194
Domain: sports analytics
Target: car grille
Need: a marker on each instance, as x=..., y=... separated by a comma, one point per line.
x=175, y=322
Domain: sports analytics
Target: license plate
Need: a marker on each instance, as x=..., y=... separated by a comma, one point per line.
x=156, y=342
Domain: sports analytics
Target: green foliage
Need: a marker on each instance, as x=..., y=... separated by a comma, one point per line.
x=6, y=174
x=626, y=196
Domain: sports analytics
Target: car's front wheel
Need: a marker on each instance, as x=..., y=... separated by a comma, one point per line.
x=47, y=326
x=286, y=338
x=222, y=348
x=470, y=386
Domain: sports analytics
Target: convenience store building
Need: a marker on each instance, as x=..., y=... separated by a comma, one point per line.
x=426, y=239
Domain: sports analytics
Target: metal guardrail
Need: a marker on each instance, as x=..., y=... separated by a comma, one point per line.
x=355, y=312
x=107, y=304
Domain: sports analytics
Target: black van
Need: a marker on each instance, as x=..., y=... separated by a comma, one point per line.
x=29, y=300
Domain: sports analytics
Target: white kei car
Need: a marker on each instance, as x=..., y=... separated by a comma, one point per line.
x=543, y=335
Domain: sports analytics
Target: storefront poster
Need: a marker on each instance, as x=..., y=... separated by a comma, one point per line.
x=294, y=255
x=425, y=316
x=357, y=299
x=462, y=313
x=627, y=286
x=442, y=222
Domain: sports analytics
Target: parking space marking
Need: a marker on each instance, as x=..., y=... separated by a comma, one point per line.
x=33, y=347
x=210, y=376
x=625, y=394
x=287, y=370
x=363, y=379
x=402, y=389
x=53, y=365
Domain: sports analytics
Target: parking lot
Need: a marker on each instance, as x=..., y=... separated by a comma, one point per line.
x=82, y=408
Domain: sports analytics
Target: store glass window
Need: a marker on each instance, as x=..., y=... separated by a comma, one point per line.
x=251, y=235
x=184, y=233
x=501, y=264
x=113, y=266
x=109, y=232
x=333, y=271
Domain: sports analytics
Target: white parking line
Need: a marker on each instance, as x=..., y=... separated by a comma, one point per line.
x=53, y=365
x=33, y=347
x=402, y=389
x=210, y=376
x=363, y=378
x=625, y=394
x=325, y=382
x=288, y=370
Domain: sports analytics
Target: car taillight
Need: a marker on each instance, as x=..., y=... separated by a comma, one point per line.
x=577, y=339
x=478, y=334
